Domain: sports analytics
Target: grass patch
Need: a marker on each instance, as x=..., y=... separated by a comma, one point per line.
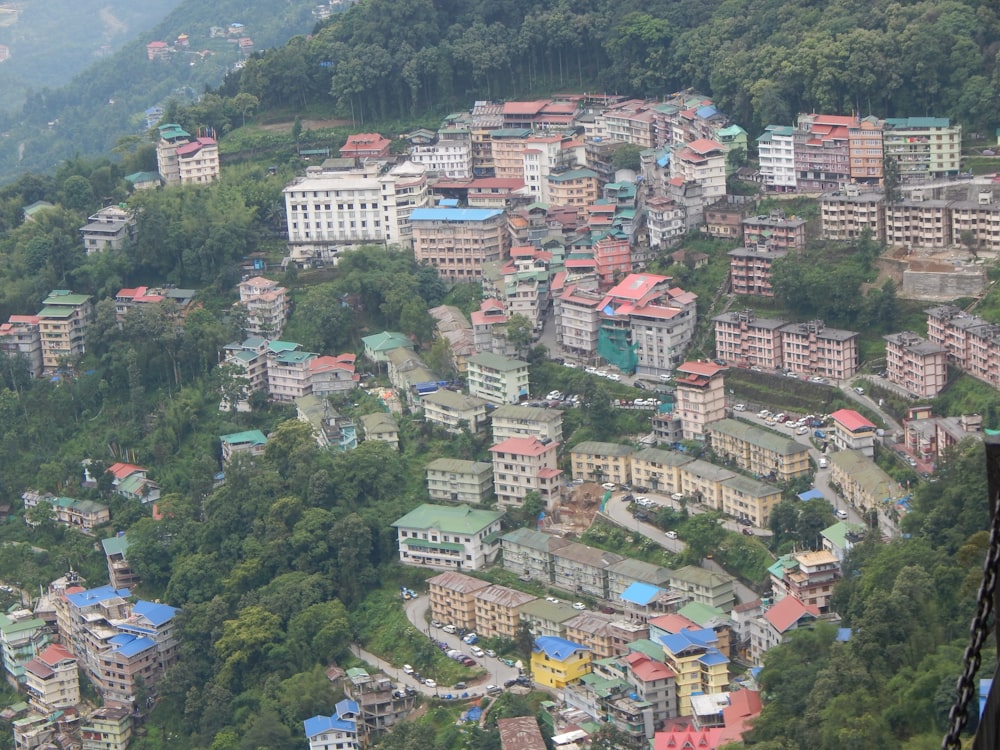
x=612, y=538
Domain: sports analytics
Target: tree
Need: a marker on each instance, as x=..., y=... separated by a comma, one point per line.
x=77, y=193
x=627, y=156
x=891, y=180
x=519, y=332
x=702, y=534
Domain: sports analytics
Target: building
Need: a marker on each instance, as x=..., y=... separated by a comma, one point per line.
x=62, y=322
x=774, y=230
x=21, y=337
x=750, y=270
x=107, y=728
x=108, y=229
x=381, y=426
x=851, y=431
x=839, y=538
x=497, y=379
x=923, y=147
x=520, y=733
x=930, y=438
x=918, y=221
x=85, y=515
x=744, y=497
x=846, y=215
x=267, y=305
x=185, y=160
x=972, y=343
x=759, y=451
x=593, y=631
x=577, y=312
x=807, y=576
x=523, y=465
x=602, y=462
x=528, y=553
x=448, y=536
x=331, y=430
x=777, y=622
x=582, y=569
x=120, y=573
x=513, y=420
x=822, y=152
x=916, y=364
x=705, y=586
x=702, y=161
x=453, y=480
x=339, y=731
x=449, y=154
x=454, y=411
x=572, y=187
x=664, y=222
x=22, y=638
x=51, y=679
x=776, y=151
x=865, y=149
x=557, y=662
x=863, y=484
x=381, y=703
x=498, y=611
x=701, y=397
x=366, y=146
x=697, y=663
x=452, y=598
x=457, y=242
x=250, y=442
x=659, y=470
x=814, y=348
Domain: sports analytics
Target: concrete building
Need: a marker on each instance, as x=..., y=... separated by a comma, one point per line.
x=579, y=568
x=865, y=148
x=267, y=305
x=759, y=451
x=972, y=343
x=120, y=573
x=702, y=161
x=595, y=461
x=184, y=160
x=523, y=465
x=381, y=426
x=851, y=431
x=822, y=152
x=497, y=379
x=107, y=728
x=108, y=229
x=807, y=576
x=572, y=187
x=918, y=221
x=577, y=314
x=449, y=155
x=701, y=397
x=366, y=146
x=498, y=611
x=664, y=222
x=339, y=731
x=916, y=364
x=777, y=623
x=514, y=420
x=863, y=484
x=528, y=553
x=21, y=337
x=705, y=586
x=776, y=150
x=458, y=241
x=453, y=480
x=845, y=215
x=454, y=411
x=774, y=230
x=659, y=470
x=930, y=438
x=743, y=338
x=448, y=536
x=249, y=442
x=813, y=348
x=453, y=598
x=62, y=323
x=924, y=147
x=697, y=663
x=750, y=270
x=557, y=662
x=330, y=429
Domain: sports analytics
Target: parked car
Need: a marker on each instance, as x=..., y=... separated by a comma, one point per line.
x=671, y=534
x=430, y=683
x=491, y=653
x=476, y=651
x=471, y=638
x=747, y=532
x=407, y=669
x=842, y=514
x=579, y=605
x=860, y=391
x=610, y=486
x=492, y=689
x=803, y=430
x=824, y=462
x=740, y=407
x=437, y=623
x=677, y=496
x=450, y=629
x=460, y=686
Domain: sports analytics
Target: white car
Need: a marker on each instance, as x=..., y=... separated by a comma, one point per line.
x=571, y=365
x=610, y=486
x=677, y=496
x=613, y=376
x=803, y=430
x=407, y=669
x=450, y=629
x=842, y=515
x=579, y=605
x=476, y=651
x=430, y=683
x=671, y=534
x=740, y=407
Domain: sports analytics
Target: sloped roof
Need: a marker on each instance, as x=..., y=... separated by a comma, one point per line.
x=787, y=612
x=559, y=649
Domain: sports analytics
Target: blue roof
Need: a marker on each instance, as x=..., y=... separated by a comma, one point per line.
x=154, y=612
x=713, y=656
x=678, y=642
x=663, y=160
x=843, y=634
x=96, y=596
x=319, y=724
x=557, y=648
x=706, y=111
x=347, y=706
x=448, y=203
x=641, y=593
x=454, y=214
x=812, y=494
x=130, y=645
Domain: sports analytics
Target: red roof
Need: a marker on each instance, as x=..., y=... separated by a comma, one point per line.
x=549, y=473
x=850, y=420
x=122, y=470
x=674, y=623
x=326, y=363
x=706, y=369
x=54, y=654
x=529, y=446
x=787, y=612
x=366, y=142
x=525, y=108
x=688, y=739
x=705, y=145
x=647, y=669
x=157, y=45
x=635, y=286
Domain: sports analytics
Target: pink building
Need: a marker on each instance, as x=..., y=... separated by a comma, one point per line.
x=701, y=397
x=971, y=342
x=916, y=364
x=523, y=465
x=157, y=51
x=612, y=257
x=822, y=152
x=744, y=339
x=366, y=146
x=750, y=270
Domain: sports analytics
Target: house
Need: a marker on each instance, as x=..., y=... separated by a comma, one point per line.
x=514, y=420
x=775, y=231
x=267, y=306
x=377, y=346
x=498, y=611
x=339, y=731
x=381, y=426
x=453, y=411
x=458, y=241
x=596, y=461
x=776, y=623
x=821, y=145
x=523, y=465
x=448, y=536
x=839, y=538
x=332, y=374
x=108, y=229
x=808, y=576
x=520, y=733
x=497, y=379
x=144, y=180
x=250, y=442
x=51, y=679
x=107, y=728
x=851, y=431
x=454, y=480
x=547, y=618
x=593, y=631
x=930, y=438
x=63, y=321
x=21, y=337
x=22, y=638
x=157, y=50
x=331, y=430
x=918, y=365
x=178, y=300
x=181, y=159
x=85, y=515
x=557, y=662
x=697, y=663
x=759, y=451
x=700, y=397
x=452, y=598
x=366, y=146
x=130, y=481
x=120, y=573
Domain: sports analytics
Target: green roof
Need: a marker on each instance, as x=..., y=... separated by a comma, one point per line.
x=387, y=340
x=649, y=648
x=904, y=123
x=837, y=534
x=423, y=543
x=597, y=448
x=757, y=436
x=277, y=347
x=751, y=487
x=493, y=361
x=9, y=626
x=452, y=400
x=379, y=422
x=662, y=457
x=65, y=297
x=783, y=564
x=543, y=609
x=56, y=312
x=460, y=466
x=116, y=545
x=700, y=613
x=573, y=174
x=136, y=177
x=255, y=437
x=455, y=519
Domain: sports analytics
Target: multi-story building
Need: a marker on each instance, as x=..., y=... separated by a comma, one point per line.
x=596, y=461
x=452, y=597
x=593, y=631
x=776, y=150
x=250, y=358
x=266, y=303
x=659, y=470
x=249, y=442
x=698, y=665
x=972, y=343
x=632, y=121
x=520, y=733
x=120, y=573
x=173, y=301
x=513, y=420
x=447, y=536
x=777, y=623
x=62, y=322
x=865, y=149
x=807, y=576
x=664, y=222
x=750, y=270
x=366, y=146
x=822, y=152
x=724, y=218
x=21, y=337
x=183, y=160
x=863, y=484
x=583, y=569
x=523, y=465
x=489, y=329
x=381, y=426
x=458, y=241
x=498, y=611
x=815, y=349
x=454, y=411
x=528, y=553
x=557, y=662
x=748, y=498
x=450, y=155
x=774, y=230
x=743, y=338
x=338, y=731
x=845, y=215
x=382, y=704
x=930, y=438
x=702, y=161
x=923, y=147
x=701, y=397
x=345, y=204
x=572, y=187
x=108, y=229
x=759, y=451
x=851, y=431
x=22, y=638
x=52, y=680
x=454, y=480
x=705, y=586
x=577, y=313
x=107, y=728
x=916, y=364
x=918, y=222
x=85, y=515
x=497, y=379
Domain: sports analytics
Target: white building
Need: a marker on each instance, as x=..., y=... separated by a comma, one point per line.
x=448, y=157
x=776, y=149
x=497, y=379
x=702, y=161
x=449, y=536
x=523, y=465
x=513, y=421
x=108, y=229
x=267, y=305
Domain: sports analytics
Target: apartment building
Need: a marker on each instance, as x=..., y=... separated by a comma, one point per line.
x=381, y=426
x=62, y=323
x=776, y=150
x=523, y=465
x=664, y=222
x=572, y=187
x=863, y=484
x=527, y=553
x=454, y=480
x=449, y=155
x=454, y=411
x=923, y=147
x=697, y=663
x=916, y=364
x=971, y=342
x=865, y=148
x=750, y=270
x=593, y=630
x=577, y=313
x=185, y=160
x=918, y=222
x=705, y=586
x=557, y=662
x=583, y=569
x=978, y=218
x=452, y=597
x=659, y=470
x=759, y=451
x=497, y=379
x=846, y=215
x=338, y=731
x=743, y=338
x=702, y=161
x=489, y=329
x=595, y=461
x=22, y=638
x=822, y=152
x=701, y=397
x=21, y=336
x=806, y=576
x=267, y=306
x=458, y=241
x=930, y=438
x=546, y=618
x=120, y=573
x=774, y=230
x=108, y=229
x=777, y=623
x=514, y=421
x=498, y=611
x=447, y=536
x=632, y=121
x=851, y=431
x=815, y=349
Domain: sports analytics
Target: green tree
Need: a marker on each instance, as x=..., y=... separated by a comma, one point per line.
x=519, y=332
x=627, y=156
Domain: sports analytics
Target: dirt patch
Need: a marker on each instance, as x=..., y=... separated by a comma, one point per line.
x=286, y=127
x=579, y=507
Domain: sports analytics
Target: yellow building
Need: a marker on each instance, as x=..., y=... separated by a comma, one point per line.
x=498, y=611
x=743, y=497
x=602, y=462
x=659, y=470
x=760, y=451
x=699, y=666
x=452, y=596
x=556, y=662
